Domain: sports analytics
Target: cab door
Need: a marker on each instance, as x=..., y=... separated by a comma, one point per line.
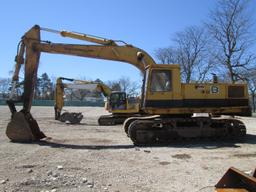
x=159, y=88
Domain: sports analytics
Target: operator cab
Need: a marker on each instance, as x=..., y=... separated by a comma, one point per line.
x=117, y=100
x=161, y=88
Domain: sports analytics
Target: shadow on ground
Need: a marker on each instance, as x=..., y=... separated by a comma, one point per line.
x=204, y=144
x=91, y=147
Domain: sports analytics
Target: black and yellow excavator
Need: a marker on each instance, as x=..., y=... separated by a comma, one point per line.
x=117, y=103
x=167, y=104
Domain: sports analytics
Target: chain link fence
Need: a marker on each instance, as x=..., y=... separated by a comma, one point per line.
x=67, y=103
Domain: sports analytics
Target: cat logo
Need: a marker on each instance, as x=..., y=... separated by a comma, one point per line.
x=214, y=89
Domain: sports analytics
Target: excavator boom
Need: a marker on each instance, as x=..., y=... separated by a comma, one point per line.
x=125, y=54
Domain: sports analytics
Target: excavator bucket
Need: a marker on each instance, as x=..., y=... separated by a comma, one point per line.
x=23, y=128
x=236, y=181
x=73, y=118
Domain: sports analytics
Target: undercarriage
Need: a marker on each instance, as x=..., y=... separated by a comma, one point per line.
x=167, y=129
x=115, y=119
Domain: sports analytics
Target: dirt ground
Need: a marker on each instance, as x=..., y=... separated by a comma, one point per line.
x=93, y=158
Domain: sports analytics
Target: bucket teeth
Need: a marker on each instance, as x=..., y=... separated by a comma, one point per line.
x=23, y=128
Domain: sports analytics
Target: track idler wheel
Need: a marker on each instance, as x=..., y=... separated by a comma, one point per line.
x=127, y=124
x=23, y=128
x=141, y=133
x=130, y=120
x=106, y=120
x=236, y=128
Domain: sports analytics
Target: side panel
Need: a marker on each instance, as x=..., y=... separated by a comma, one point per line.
x=195, y=98
x=214, y=91
x=197, y=103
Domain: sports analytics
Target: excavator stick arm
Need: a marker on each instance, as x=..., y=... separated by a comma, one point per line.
x=31, y=66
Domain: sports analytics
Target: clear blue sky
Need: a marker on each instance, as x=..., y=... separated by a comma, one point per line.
x=147, y=24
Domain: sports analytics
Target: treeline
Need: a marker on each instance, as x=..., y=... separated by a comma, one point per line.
x=45, y=88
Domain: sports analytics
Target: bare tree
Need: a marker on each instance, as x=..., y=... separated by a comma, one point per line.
x=114, y=85
x=79, y=94
x=125, y=84
x=230, y=27
x=166, y=55
x=191, y=52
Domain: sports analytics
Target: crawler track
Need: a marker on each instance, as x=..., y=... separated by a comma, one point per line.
x=163, y=130
x=111, y=119
x=115, y=119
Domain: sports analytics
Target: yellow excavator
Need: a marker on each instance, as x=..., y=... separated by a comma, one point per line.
x=167, y=104
x=118, y=103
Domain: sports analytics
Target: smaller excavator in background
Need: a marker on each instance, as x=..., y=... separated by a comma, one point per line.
x=118, y=103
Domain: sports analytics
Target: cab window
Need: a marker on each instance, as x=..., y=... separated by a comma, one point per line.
x=161, y=80
x=118, y=100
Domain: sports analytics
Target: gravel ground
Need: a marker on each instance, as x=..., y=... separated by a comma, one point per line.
x=93, y=158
